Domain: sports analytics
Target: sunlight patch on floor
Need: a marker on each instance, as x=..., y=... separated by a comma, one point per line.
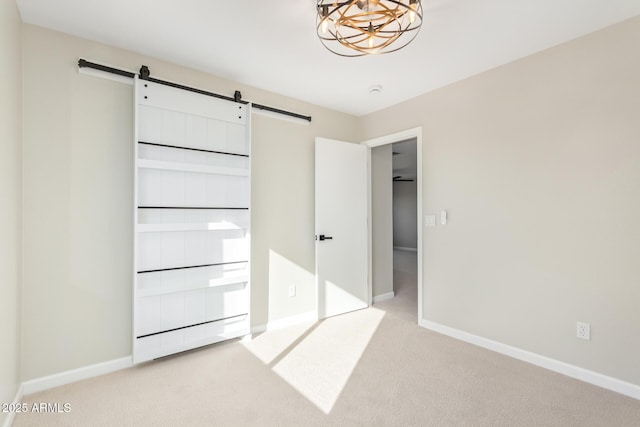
x=321, y=364
x=269, y=345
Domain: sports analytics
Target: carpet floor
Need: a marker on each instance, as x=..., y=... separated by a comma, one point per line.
x=373, y=367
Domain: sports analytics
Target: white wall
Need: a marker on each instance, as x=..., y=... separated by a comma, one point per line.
x=382, y=219
x=78, y=201
x=10, y=197
x=405, y=209
x=538, y=164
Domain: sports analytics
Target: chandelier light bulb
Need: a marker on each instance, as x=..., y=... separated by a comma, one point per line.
x=325, y=18
x=412, y=11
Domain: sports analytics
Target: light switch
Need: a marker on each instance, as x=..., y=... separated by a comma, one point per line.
x=429, y=220
x=443, y=217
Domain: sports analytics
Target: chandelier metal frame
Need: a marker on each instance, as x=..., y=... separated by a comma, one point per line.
x=364, y=27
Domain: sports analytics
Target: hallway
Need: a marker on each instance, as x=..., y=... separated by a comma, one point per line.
x=405, y=286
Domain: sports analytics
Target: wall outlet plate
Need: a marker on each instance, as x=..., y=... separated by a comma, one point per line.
x=583, y=331
x=429, y=220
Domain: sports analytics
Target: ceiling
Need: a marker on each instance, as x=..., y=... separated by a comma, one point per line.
x=273, y=45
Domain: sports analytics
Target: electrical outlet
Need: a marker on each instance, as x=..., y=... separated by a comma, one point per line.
x=429, y=220
x=583, y=331
x=292, y=291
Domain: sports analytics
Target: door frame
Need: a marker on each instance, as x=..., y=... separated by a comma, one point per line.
x=377, y=142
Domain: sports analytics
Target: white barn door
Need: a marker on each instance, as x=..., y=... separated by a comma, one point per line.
x=191, y=216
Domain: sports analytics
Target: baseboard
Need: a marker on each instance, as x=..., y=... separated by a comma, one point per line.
x=8, y=421
x=591, y=377
x=310, y=316
x=383, y=297
x=402, y=248
x=258, y=329
x=67, y=377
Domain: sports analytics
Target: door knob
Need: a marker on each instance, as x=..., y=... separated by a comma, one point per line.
x=323, y=237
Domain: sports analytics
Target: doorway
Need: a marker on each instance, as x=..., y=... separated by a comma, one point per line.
x=395, y=208
x=405, y=227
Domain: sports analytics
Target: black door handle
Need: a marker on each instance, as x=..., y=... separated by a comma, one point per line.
x=323, y=237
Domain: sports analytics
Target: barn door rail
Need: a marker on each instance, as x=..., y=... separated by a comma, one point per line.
x=145, y=74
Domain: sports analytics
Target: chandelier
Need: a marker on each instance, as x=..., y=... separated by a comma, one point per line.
x=363, y=27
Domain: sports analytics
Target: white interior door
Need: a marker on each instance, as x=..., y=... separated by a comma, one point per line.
x=341, y=227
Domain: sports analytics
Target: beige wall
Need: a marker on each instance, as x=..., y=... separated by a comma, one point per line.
x=538, y=164
x=382, y=219
x=283, y=219
x=78, y=201
x=10, y=197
